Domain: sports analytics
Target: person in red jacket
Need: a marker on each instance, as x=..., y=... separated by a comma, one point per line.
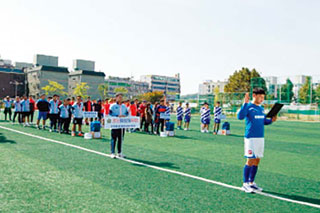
x=142, y=110
x=32, y=104
x=88, y=107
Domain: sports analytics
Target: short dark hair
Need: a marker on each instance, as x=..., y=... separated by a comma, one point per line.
x=258, y=91
x=118, y=94
x=218, y=102
x=68, y=99
x=55, y=95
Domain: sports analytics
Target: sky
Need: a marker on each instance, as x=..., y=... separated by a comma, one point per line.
x=200, y=39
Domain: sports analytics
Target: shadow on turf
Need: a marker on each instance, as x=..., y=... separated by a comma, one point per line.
x=4, y=140
x=161, y=164
x=296, y=197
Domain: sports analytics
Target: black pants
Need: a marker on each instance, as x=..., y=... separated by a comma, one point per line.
x=31, y=116
x=7, y=110
x=117, y=136
x=54, y=118
x=64, y=124
x=146, y=127
x=143, y=121
x=19, y=117
x=160, y=123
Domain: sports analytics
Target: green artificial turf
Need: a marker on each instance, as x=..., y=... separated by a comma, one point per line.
x=38, y=175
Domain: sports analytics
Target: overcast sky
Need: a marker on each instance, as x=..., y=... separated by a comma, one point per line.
x=200, y=39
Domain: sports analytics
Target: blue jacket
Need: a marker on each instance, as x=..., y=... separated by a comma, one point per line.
x=116, y=110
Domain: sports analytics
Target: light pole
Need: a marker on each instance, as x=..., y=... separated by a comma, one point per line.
x=16, y=83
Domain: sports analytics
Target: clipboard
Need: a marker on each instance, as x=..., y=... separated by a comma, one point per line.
x=275, y=110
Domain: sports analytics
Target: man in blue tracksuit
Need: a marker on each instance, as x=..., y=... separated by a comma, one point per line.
x=255, y=118
x=117, y=109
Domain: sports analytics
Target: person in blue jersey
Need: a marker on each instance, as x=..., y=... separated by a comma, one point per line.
x=17, y=110
x=64, y=114
x=217, y=118
x=168, y=110
x=118, y=109
x=179, y=115
x=54, y=113
x=25, y=110
x=43, y=109
x=77, y=112
x=253, y=113
x=187, y=117
x=7, y=107
x=205, y=117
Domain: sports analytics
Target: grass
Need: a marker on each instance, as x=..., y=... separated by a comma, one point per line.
x=37, y=175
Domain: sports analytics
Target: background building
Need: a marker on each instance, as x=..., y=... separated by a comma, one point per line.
x=208, y=87
x=46, y=68
x=134, y=88
x=169, y=85
x=12, y=82
x=91, y=77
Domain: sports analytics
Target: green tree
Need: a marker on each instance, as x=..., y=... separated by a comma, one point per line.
x=103, y=90
x=216, y=92
x=122, y=90
x=151, y=96
x=81, y=90
x=54, y=88
x=306, y=93
x=287, y=91
x=318, y=94
x=239, y=81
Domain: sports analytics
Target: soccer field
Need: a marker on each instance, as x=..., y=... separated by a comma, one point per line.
x=40, y=175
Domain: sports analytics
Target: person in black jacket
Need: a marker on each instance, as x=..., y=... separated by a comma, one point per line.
x=97, y=108
x=43, y=107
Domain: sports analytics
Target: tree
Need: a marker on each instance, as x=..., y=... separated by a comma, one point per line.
x=306, y=93
x=287, y=91
x=317, y=92
x=239, y=81
x=103, y=90
x=151, y=96
x=122, y=90
x=216, y=92
x=81, y=90
x=54, y=88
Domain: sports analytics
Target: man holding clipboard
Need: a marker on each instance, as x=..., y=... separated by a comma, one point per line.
x=255, y=118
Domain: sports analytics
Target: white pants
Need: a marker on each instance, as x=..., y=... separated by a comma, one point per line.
x=253, y=147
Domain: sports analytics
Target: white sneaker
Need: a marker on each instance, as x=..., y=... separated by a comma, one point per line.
x=185, y=129
x=113, y=156
x=27, y=124
x=120, y=155
x=203, y=131
x=247, y=188
x=255, y=187
x=50, y=130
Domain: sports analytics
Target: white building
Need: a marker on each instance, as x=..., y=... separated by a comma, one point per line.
x=208, y=87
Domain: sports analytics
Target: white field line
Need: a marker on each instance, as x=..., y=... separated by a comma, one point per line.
x=163, y=169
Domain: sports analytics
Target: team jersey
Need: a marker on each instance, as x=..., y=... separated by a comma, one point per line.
x=217, y=112
x=167, y=110
x=54, y=107
x=255, y=120
x=17, y=106
x=77, y=110
x=64, y=111
x=117, y=109
x=205, y=114
x=25, y=106
x=7, y=104
x=187, y=112
x=179, y=112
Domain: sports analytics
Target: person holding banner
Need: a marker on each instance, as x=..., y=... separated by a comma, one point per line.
x=117, y=109
x=77, y=111
x=160, y=114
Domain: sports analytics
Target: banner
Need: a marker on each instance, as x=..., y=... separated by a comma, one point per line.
x=90, y=114
x=164, y=116
x=121, y=123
